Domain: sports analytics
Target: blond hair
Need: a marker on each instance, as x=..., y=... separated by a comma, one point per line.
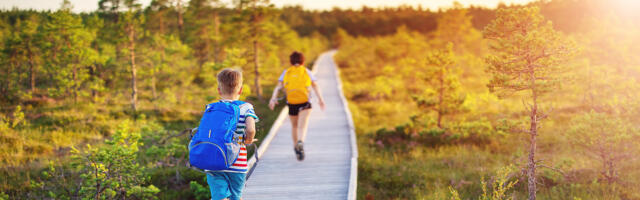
x=229, y=81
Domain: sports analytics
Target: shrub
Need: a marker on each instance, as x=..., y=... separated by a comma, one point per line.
x=608, y=139
x=112, y=171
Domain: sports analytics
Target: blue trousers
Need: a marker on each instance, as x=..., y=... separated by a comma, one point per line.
x=225, y=185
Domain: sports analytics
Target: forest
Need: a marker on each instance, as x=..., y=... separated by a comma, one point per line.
x=90, y=98
x=447, y=103
x=452, y=113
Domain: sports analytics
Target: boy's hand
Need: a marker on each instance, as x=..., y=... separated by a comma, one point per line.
x=321, y=103
x=272, y=103
x=249, y=142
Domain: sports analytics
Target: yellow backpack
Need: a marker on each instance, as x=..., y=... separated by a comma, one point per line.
x=296, y=82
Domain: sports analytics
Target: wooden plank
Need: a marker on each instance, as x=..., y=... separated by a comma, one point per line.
x=328, y=171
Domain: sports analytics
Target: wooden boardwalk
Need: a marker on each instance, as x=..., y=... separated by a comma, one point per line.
x=329, y=170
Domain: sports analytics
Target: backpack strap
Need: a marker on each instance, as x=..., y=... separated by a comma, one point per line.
x=208, y=107
x=238, y=102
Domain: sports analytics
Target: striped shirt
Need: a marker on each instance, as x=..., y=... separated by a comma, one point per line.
x=240, y=166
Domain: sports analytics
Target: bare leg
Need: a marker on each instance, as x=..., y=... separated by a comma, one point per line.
x=303, y=122
x=294, y=129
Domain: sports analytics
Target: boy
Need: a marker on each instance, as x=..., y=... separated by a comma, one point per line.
x=296, y=80
x=229, y=183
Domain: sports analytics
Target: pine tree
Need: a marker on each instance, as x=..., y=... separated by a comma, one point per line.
x=131, y=20
x=609, y=139
x=110, y=11
x=29, y=34
x=165, y=16
x=22, y=55
x=203, y=29
x=455, y=26
x=104, y=52
x=69, y=51
x=165, y=63
x=258, y=13
x=180, y=14
x=157, y=12
x=443, y=96
x=527, y=57
x=112, y=39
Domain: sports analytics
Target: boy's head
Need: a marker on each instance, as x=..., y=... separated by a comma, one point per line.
x=296, y=58
x=230, y=82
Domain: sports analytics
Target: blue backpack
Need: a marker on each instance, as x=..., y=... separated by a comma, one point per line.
x=212, y=147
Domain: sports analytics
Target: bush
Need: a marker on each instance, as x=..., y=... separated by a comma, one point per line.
x=608, y=139
x=199, y=191
x=112, y=171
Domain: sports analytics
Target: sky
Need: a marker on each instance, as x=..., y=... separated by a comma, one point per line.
x=91, y=5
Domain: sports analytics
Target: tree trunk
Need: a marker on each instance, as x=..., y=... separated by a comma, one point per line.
x=32, y=71
x=74, y=76
x=154, y=79
x=440, y=98
x=202, y=51
x=180, y=20
x=162, y=24
x=531, y=165
x=257, y=89
x=123, y=191
x=216, y=33
x=153, y=88
x=32, y=75
x=132, y=58
x=75, y=83
x=533, y=132
x=92, y=73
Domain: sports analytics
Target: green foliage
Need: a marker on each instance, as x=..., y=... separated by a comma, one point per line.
x=68, y=50
x=66, y=80
x=21, y=53
x=204, y=28
x=112, y=171
x=48, y=58
x=608, y=139
x=500, y=185
x=528, y=53
x=199, y=191
x=18, y=117
x=390, y=79
x=443, y=96
x=384, y=74
x=454, y=194
x=528, y=56
x=455, y=26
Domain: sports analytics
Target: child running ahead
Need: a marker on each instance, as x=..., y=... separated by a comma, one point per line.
x=296, y=81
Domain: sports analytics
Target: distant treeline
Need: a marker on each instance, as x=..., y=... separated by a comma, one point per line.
x=567, y=16
x=65, y=54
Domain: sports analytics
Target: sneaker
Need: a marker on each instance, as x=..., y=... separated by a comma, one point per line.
x=295, y=149
x=300, y=151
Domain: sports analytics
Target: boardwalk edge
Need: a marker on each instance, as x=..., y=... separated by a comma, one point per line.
x=272, y=133
x=353, y=179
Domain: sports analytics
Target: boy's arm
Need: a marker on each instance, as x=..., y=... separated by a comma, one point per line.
x=250, y=130
x=318, y=92
x=274, y=101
